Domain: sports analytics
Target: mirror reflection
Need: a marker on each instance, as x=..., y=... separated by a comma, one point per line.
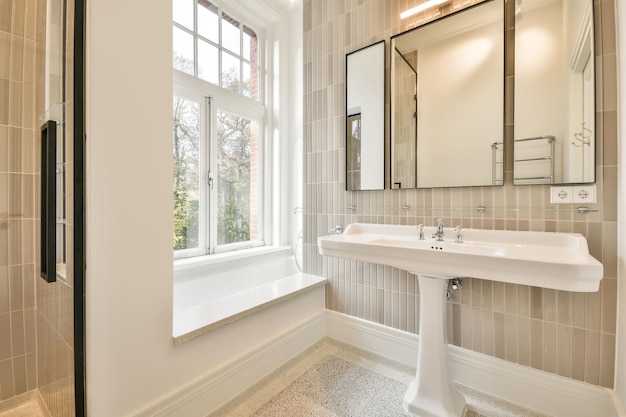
x=365, y=118
x=554, y=92
x=447, y=98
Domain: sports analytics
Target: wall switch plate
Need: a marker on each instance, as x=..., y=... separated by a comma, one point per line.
x=584, y=193
x=560, y=194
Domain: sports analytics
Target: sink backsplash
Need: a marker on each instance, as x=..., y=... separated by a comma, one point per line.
x=569, y=334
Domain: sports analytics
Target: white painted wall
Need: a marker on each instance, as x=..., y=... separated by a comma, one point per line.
x=131, y=360
x=295, y=139
x=620, y=368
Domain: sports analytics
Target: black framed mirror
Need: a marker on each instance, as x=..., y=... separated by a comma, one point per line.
x=554, y=92
x=365, y=118
x=447, y=101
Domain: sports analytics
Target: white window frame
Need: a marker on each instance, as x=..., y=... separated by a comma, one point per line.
x=188, y=87
x=211, y=97
x=221, y=49
x=203, y=243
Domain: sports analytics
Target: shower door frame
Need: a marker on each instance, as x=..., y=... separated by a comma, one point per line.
x=79, y=205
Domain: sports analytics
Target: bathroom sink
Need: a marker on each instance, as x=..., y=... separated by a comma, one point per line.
x=541, y=259
x=550, y=260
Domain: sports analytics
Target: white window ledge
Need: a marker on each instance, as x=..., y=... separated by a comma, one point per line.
x=192, y=322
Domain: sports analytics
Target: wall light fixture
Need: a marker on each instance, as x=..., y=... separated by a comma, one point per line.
x=421, y=8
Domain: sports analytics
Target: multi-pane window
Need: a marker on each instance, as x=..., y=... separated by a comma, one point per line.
x=211, y=45
x=218, y=136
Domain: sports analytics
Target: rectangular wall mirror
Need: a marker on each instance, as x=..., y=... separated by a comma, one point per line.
x=554, y=92
x=447, y=101
x=365, y=118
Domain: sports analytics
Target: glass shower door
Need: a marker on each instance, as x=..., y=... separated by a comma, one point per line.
x=41, y=320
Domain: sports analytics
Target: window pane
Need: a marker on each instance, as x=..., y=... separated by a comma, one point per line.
x=237, y=179
x=230, y=72
x=208, y=64
x=250, y=45
x=183, y=51
x=183, y=12
x=231, y=38
x=208, y=25
x=250, y=81
x=186, y=173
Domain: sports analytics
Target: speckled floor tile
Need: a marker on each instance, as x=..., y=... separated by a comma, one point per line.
x=27, y=405
x=338, y=388
x=335, y=380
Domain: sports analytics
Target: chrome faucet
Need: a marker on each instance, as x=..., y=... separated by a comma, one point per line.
x=421, y=229
x=438, y=235
x=458, y=238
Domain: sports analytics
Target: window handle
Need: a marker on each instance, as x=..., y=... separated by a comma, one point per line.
x=210, y=180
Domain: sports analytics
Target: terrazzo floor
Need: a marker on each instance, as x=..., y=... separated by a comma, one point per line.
x=27, y=405
x=335, y=380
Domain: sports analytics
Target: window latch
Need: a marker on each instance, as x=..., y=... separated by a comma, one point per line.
x=210, y=180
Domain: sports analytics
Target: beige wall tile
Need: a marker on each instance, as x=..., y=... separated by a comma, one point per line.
x=523, y=301
x=4, y=162
x=4, y=290
x=499, y=334
x=536, y=344
x=5, y=54
x=17, y=58
x=31, y=371
x=6, y=379
x=4, y=239
x=549, y=305
x=15, y=103
x=578, y=354
x=6, y=15
x=19, y=374
x=609, y=305
x=592, y=357
x=523, y=354
x=4, y=101
x=511, y=298
x=549, y=354
x=30, y=18
x=17, y=23
x=579, y=309
x=5, y=342
x=563, y=349
x=607, y=360
x=609, y=132
x=564, y=307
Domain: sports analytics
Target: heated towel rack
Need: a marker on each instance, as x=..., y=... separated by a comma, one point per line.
x=549, y=159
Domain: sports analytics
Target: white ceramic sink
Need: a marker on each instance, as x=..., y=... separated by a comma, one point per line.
x=541, y=259
x=551, y=260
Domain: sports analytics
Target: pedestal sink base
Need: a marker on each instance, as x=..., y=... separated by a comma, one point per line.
x=432, y=393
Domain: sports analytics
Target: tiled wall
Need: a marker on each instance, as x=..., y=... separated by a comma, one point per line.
x=569, y=334
x=19, y=36
x=55, y=333
x=36, y=335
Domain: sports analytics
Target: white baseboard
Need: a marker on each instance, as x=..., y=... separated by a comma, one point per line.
x=209, y=392
x=537, y=390
x=530, y=388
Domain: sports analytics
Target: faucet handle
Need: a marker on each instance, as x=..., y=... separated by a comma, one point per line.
x=421, y=229
x=458, y=237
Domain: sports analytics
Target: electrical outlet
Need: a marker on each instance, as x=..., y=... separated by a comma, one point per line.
x=560, y=194
x=584, y=193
